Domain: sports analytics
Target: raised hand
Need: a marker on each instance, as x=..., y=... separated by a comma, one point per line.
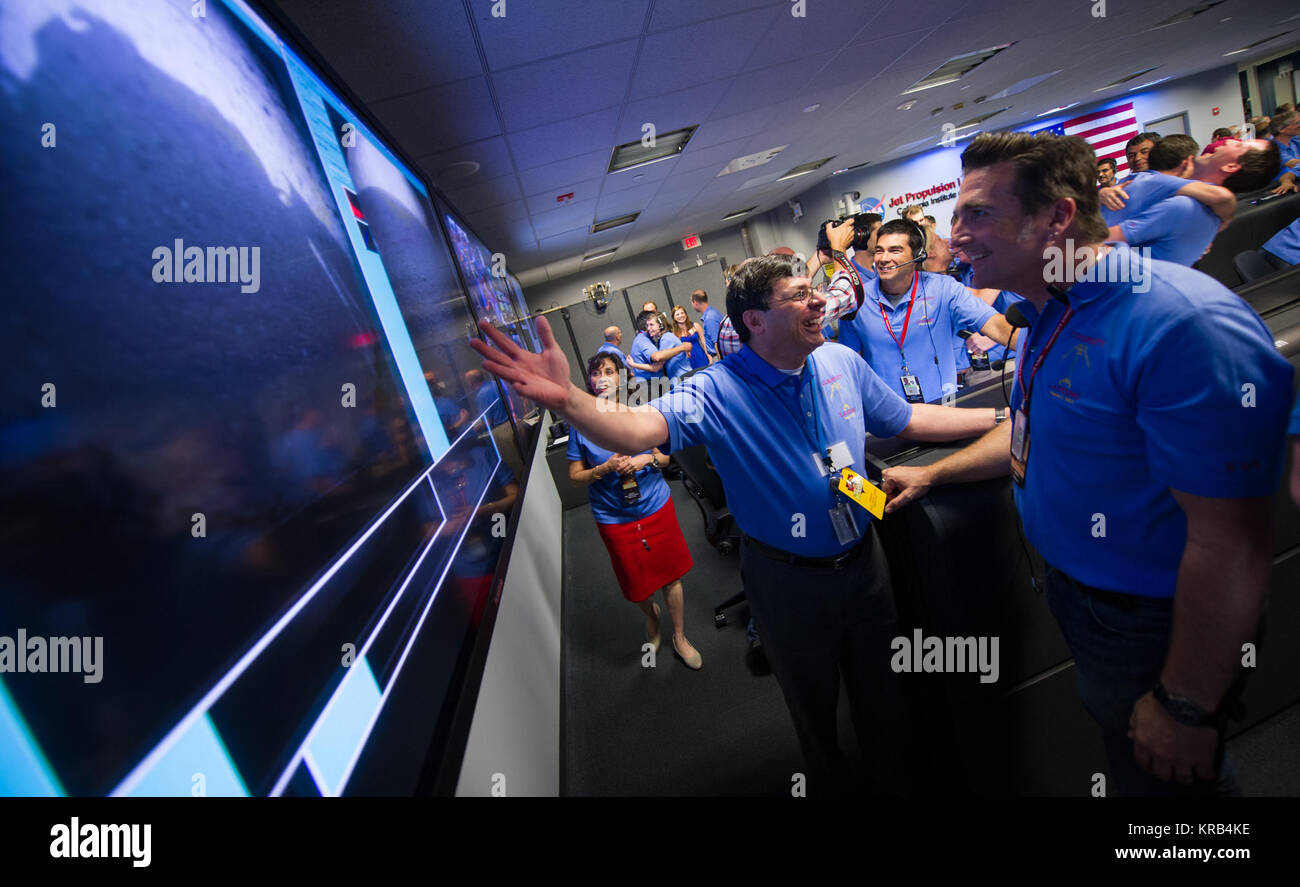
x=1113, y=197
x=543, y=377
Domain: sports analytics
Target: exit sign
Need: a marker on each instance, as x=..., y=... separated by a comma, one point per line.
x=691, y=242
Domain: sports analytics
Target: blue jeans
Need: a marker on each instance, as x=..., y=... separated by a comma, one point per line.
x=1119, y=651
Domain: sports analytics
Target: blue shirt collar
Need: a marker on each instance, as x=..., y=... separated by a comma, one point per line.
x=756, y=367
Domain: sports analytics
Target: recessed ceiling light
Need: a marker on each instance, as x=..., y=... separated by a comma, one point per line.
x=614, y=223
x=738, y=213
x=666, y=144
x=1054, y=110
x=1126, y=78
x=594, y=256
x=805, y=168
x=1256, y=43
x=955, y=68
x=1145, y=85
x=907, y=105
x=461, y=169
x=1186, y=15
x=811, y=108
x=758, y=158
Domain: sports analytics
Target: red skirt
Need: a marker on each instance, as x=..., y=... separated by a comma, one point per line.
x=647, y=553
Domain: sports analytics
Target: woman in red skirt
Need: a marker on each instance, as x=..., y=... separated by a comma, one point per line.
x=634, y=513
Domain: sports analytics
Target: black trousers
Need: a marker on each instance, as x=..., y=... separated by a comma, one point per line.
x=819, y=625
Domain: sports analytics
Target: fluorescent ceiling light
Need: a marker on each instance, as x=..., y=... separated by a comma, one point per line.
x=738, y=213
x=1256, y=43
x=1020, y=86
x=1054, y=110
x=614, y=223
x=594, y=256
x=634, y=154
x=955, y=68
x=758, y=158
x=1126, y=78
x=1186, y=15
x=805, y=168
x=1145, y=85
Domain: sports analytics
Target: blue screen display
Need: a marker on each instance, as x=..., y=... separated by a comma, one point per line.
x=249, y=470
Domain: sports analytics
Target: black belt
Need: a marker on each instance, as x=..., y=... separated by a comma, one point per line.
x=1118, y=598
x=822, y=563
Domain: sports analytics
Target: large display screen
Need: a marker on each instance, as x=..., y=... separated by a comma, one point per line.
x=247, y=465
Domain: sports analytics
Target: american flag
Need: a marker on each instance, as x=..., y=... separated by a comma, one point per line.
x=1107, y=130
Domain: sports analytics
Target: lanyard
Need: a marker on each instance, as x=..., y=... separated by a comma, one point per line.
x=813, y=438
x=1026, y=390
x=916, y=279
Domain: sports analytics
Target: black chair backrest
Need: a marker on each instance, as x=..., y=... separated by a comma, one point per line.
x=1252, y=264
x=695, y=464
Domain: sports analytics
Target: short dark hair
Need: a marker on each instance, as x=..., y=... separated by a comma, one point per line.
x=932, y=220
x=700, y=296
x=1152, y=137
x=1258, y=168
x=1284, y=107
x=643, y=317
x=1108, y=161
x=906, y=227
x=1221, y=133
x=1280, y=121
x=1170, y=152
x=751, y=288
x=596, y=360
x=1047, y=167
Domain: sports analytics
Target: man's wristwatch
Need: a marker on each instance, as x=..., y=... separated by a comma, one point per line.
x=654, y=459
x=999, y=415
x=1183, y=710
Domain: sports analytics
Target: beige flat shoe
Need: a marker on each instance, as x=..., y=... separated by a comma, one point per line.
x=694, y=662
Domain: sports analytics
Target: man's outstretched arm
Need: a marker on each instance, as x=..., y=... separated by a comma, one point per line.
x=544, y=378
x=988, y=457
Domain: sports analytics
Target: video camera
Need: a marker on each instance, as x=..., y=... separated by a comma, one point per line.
x=862, y=225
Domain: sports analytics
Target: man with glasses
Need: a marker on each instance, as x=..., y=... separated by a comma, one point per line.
x=781, y=419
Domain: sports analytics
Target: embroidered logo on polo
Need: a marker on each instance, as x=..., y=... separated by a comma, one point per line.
x=1077, y=361
x=847, y=410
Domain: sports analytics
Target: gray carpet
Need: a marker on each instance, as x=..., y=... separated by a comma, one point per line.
x=669, y=731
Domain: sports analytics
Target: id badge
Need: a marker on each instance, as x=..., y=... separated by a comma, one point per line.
x=863, y=492
x=1019, y=446
x=911, y=388
x=846, y=530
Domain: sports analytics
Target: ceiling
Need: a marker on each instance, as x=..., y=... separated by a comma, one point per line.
x=539, y=98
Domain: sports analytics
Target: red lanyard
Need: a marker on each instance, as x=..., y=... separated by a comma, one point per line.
x=1038, y=362
x=916, y=279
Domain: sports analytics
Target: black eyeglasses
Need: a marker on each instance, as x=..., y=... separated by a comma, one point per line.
x=802, y=297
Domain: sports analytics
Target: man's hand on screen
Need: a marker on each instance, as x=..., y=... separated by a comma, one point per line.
x=543, y=377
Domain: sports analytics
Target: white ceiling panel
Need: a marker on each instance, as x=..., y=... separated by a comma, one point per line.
x=566, y=138
x=559, y=88
x=530, y=31
x=432, y=120
x=675, y=60
x=556, y=178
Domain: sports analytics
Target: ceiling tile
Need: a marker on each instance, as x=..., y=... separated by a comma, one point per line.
x=485, y=194
x=556, y=176
x=409, y=35
x=568, y=218
x=677, y=110
x=582, y=191
x=559, y=88
x=532, y=31
x=567, y=138
x=490, y=154
x=671, y=14
x=676, y=60
x=432, y=120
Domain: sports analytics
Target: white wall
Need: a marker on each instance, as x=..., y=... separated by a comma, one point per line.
x=645, y=266
x=516, y=726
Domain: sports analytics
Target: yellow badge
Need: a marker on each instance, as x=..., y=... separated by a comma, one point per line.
x=863, y=492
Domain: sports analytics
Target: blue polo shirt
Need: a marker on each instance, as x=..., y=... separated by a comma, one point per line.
x=1285, y=244
x=613, y=350
x=1144, y=189
x=762, y=428
x=1005, y=300
x=943, y=306
x=1295, y=419
x=1144, y=392
x=642, y=347
x=1177, y=229
x=486, y=398
x=606, y=494
x=711, y=319
x=678, y=364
